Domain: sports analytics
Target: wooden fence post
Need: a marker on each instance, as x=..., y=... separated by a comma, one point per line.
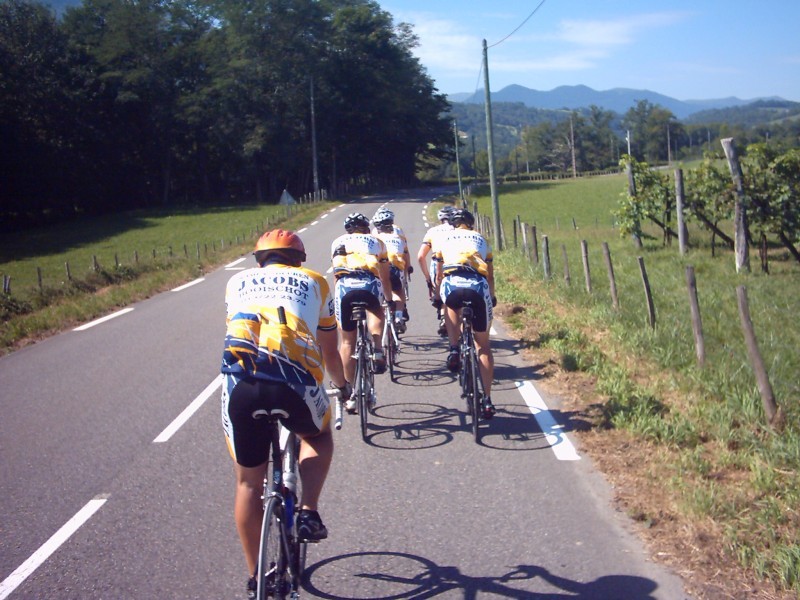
x=697, y=322
x=546, y=252
x=566, y=264
x=612, y=282
x=679, y=198
x=651, y=309
x=775, y=416
x=739, y=209
x=69, y=274
x=534, y=245
x=39, y=277
x=585, y=256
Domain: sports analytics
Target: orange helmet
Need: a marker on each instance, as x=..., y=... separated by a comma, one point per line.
x=280, y=239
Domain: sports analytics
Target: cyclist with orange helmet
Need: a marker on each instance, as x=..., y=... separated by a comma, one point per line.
x=361, y=271
x=281, y=336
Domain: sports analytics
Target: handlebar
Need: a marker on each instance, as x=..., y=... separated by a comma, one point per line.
x=336, y=397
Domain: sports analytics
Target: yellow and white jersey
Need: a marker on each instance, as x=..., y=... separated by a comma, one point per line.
x=354, y=253
x=463, y=248
x=395, y=229
x=396, y=248
x=257, y=344
x=434, y=234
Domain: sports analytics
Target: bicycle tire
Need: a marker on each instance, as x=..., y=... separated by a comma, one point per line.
x=360, y=387
x=391, y=350
x=476, y=394
x=272, y=573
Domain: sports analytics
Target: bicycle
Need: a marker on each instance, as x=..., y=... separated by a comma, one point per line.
x=281, y=553
x=469, y=377
x=390, y=339
x=364, y=380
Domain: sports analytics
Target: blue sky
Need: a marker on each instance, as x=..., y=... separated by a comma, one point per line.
x=689, y=50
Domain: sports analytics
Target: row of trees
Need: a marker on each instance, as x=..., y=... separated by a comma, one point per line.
x=770, y=184
x=124, y=103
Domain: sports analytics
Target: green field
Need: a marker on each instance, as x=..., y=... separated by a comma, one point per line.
x=708, y=420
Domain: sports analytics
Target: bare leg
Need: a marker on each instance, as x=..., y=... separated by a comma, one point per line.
x=249, y=511
x=316, y=454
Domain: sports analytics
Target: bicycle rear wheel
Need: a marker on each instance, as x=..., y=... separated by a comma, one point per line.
x=475, y=383
x=362, y=390
x=391, y=350
x=272, y=575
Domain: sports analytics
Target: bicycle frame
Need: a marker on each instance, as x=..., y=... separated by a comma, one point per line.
x=390, y=341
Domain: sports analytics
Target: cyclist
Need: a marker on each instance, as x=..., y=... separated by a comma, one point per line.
x=361, y=271
x=382, y=214
x=427, y=248
x=269, y=365
x=399, y=261
x=464, y=265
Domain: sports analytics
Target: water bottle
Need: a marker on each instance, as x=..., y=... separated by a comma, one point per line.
x=290, y=481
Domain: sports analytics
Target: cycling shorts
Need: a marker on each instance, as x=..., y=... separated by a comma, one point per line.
x=246, y=432
x=457, y=288
x=397, y=277
x=356, y=288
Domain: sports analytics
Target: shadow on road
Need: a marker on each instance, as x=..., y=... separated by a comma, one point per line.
x=395, y=575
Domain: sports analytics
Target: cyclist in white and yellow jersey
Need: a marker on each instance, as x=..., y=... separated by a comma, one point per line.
x=425, y=257
x=399, y=262
x=466, y=272
x=361, y=271
x=382, y=215
x=281, y=336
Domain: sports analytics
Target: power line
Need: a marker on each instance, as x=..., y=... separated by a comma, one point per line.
x=520, y=25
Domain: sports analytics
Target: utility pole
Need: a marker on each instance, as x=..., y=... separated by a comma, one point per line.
x=572, y=147
x=314, y=143
x=458, y=163
x=628, y=139
x=498, y=240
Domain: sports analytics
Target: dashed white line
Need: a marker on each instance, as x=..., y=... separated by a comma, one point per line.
x=302, y=230
x=313, y=223
x=187, y=413
x=560, y=444
x=232, y=265
x=188, y=285
x=22, y=572
x=119, y=313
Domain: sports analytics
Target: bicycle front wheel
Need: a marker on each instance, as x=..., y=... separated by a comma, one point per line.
x=272, y=574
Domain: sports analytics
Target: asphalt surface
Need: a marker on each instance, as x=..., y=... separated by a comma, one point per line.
x=116, y=482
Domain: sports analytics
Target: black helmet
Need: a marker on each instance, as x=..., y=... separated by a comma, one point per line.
x=355, y=222
x=461, y=216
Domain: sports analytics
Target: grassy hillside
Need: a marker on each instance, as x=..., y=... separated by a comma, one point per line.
x=694, y=440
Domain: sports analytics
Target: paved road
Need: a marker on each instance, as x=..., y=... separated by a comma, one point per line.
x=116, y=482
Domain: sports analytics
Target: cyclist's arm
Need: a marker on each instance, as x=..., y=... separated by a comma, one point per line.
x=422, y=258
x=384, y=271
x=328, y=340
x=490, y=277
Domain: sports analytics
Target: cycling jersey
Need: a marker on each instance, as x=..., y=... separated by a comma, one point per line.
x=395, y=230
x=354, y=253
x=257, y=345
x=396, y=248
x=463, y=250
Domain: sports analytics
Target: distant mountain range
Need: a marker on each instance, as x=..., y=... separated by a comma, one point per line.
x=619, y=100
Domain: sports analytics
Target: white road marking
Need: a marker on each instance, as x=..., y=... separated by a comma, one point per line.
x=188, y=285
x=234, y=263
x=492, y=330
x=302, y=230
x=562, y=447
x=22, y=572
x=103, y=319
x=189, y=411
x=313, y=223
